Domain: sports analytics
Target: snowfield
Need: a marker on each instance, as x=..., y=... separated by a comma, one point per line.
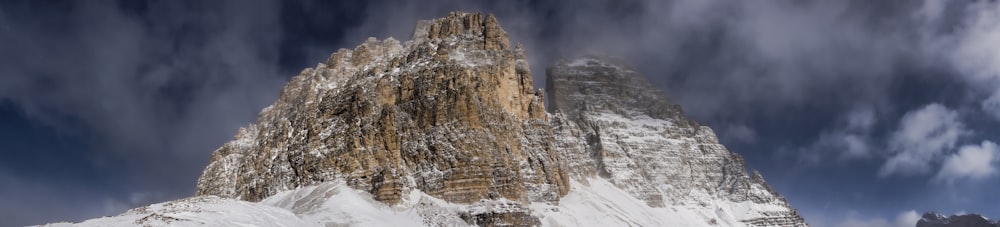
x=597, y=203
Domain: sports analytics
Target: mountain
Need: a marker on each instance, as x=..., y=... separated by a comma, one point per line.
x=451, y=113
x=447, y=130
x=931, y=219
x=615, y=125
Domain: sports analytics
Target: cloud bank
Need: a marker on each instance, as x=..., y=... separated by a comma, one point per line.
x=150, y=87
x=923, y=136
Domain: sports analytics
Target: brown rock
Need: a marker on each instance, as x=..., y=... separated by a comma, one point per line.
x=451, y=113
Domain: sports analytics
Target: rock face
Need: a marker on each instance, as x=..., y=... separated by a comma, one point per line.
x=453, y=113
x=931, y=219
x=613, y=124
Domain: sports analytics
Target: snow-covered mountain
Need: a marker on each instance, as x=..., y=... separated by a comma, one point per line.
x=447, y=130
x=931, y=219
x=612, y=124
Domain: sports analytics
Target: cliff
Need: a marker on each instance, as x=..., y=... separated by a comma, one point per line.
x=449, y=124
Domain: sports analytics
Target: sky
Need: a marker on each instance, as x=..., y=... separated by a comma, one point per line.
x=861, y=113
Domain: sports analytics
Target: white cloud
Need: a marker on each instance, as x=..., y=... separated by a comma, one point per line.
x=923, y=136
x=975, y=52
x=904, y=219
x=971, y=161
x=908, y=218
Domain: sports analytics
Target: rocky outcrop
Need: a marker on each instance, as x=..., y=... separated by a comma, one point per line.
x=931, y=219
x=451, y=113
x=611, y=122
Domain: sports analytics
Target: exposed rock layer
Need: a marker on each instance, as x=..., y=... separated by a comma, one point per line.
x=453, y=113
x=611, y=122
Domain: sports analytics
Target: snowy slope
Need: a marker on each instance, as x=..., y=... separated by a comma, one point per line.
x=603, y=204
x=337, y=204
x=598, y=203
x=199, y=211
x=327, y=204
x=610, y=122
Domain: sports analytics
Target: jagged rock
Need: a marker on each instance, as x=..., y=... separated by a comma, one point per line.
x=452, y=113
x=611, y=122
x=931, y=219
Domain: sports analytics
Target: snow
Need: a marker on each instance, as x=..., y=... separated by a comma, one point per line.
x=639, y=129
x=580, y=62
x=598, y=203
x=458, y=56
x=602, y=204
x=327, y=204
x=592, y=62
x=469, y=58
x=337, y=204
x=200, y=211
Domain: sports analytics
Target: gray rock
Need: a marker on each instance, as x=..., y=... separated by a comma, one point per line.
x=931, y=219
x=611, y=122
x=452, y=114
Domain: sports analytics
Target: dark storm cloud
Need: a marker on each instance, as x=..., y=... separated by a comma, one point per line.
x=31, y=201
x=151, y=87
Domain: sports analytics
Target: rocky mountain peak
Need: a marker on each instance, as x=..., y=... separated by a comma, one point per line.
x=464, y=24
x=932, y=219
x=613, y=123
x=452, y=114
x=606, y=84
